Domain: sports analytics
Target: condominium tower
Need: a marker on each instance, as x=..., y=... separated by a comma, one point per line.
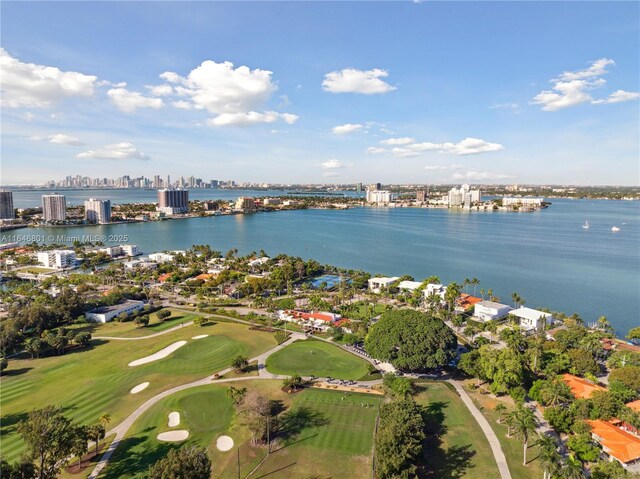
x=97, y=211
x=6, y=205
x=54, y=207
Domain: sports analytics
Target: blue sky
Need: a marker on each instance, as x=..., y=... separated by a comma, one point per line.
x=402, y=92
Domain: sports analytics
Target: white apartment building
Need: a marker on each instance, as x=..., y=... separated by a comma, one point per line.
x=380, y=197
x=57, y=258
x=97, y=211
x=463, y=196
x=54, y=207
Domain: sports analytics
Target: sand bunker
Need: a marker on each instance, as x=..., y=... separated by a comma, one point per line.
x=163, y=353
x=200, y=336
x=174, y=419
x=139, y=387
x=224, y=443
x=173, y=436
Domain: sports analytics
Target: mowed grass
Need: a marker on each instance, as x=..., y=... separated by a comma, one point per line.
x=88, y=383
x=512, y=446
x=130, y=330
x=205, y=412
x=456, y=446
x=316, y=358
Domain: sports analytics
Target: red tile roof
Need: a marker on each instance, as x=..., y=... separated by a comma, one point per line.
x=581, y=388
x=163, y=277
x=620, y=444
x=635, y=405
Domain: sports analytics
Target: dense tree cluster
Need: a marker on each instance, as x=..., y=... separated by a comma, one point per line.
x=189, y=462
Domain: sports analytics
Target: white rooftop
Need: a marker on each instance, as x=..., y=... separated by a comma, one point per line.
x=491, y=304
x=384, y=280
x=409, y=285
x=531, y=314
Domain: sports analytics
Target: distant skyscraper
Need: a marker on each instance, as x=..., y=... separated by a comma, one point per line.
x=173, y=201
x=6, y=205
x=54, y=207
x=97, y=211
x=359, y=188
x=378, y=186
x=421, y=195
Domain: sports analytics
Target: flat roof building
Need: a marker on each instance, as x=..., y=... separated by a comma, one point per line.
x=377, y=284
x=532, y=319
x=54, y=207
x=57, y=258
x=105, y=314
x=488, y=310
x=7, y=211
x=97, y=211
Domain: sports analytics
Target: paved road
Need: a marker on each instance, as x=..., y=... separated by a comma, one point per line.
x=496, y=448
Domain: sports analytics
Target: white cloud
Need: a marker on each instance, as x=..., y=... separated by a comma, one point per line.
x=130, y=101
x=514, y=107
x=332, y=164
x=398, y=141
x=374, y=150
x=182, y=105
x=58, y=139
x=160, y=90
x=39, y=86
x=572, y=88
x=118, y=151
x=350, y=80
x=404, y=152
x=474, y=175
x=596, y=69
x=442, y=167
x=346, y=128
x=251, y=118
x=618, y=96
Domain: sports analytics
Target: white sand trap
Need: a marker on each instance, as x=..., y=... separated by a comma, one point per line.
x=200, y=336
x=163, y=353
x=139, y=387
x=224, y=443
x=174, y=419
x=173, y=436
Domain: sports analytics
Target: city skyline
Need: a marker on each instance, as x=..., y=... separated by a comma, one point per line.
x=282, y=93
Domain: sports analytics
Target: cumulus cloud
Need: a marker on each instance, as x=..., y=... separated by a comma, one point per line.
x=117, y=151
x=572, y=88
x=442, y=167
x=404, y=152
x=474, y=175
x=350, y=80
x=251, y=118
x=398, y=141
x=346, y=128
x=58, y=139
x=374, y=150
x=332, y=164
x=233, y=94
x=160, y=90
x=39, y=86
x=129, y=101
x=618, y=97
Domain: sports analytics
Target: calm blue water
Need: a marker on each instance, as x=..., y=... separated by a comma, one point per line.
x=547, y=257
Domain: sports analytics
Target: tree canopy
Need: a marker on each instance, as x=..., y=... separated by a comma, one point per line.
x=184, y=463
x=411, y=340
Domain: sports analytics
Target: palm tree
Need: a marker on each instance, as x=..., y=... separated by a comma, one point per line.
x=474, y=282
x=524, y=423
x=96, y=433
x=548, y=456
x=465, y=283
x=572, y=469
x=555, y=392
x=604, y=324
x=105, y=419
x=500, y=409
x=482, y=292
x=515, y=298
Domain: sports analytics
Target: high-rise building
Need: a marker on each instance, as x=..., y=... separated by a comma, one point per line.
x=358, y=187
x=54, y=207
x=173, y=201
x=6, y=205
x=421, y=196
x=97, y=211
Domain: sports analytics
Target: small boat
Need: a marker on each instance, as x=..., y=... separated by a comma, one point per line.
x=586, y=225
x=615, y=228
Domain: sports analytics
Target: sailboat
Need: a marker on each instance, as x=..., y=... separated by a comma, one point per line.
x=615, y=228
x=586, y=225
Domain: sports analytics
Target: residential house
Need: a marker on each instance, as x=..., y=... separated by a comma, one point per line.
x=378, y=284
x=489, y=310
x=531, y=319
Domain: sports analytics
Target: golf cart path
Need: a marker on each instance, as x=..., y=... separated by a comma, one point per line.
x=496, y=448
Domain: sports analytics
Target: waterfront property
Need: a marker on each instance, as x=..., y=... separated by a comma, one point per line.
x=378, y=284
x=435, y=289
x=57, y=258
x=581, y=388
x=531, y=319
x=489, y=310
x=319, y=321
x=330, y=281
x=409, y=285
x=617, y=443
x=105, y=314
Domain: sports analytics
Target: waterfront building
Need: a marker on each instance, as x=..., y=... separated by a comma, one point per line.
x=409, y=285
x=378, y=284
x=531, y=319
x=173, y=202
x=513, y=201
x=130, y=249
x=57, y=258
x=380, y=197
x=6, y=205
x=421, y=196
x=272, y=201
x=161, y=257
x=244, y=204
x=489, y=310
x=97, y=211
x=54, y=207
x=462, y=197
x=617, y=444
x=105, y=314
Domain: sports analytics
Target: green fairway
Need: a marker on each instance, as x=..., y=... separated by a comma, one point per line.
x=456, y=446
x=88, y=383
x=317, y=358
x=130, y=330
x=205, y=412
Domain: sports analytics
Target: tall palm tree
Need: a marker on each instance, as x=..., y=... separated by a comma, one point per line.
x=474, y=282
x=524, y=423
x=549, y=458
x=555, y=392
x=500, y=409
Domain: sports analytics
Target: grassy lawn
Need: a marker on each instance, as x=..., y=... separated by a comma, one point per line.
x=35, y=270
x=129, y=330
x=88, y=383
x=316, y=358
x=512, y=446
x=205, y=412
x=456, y=447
